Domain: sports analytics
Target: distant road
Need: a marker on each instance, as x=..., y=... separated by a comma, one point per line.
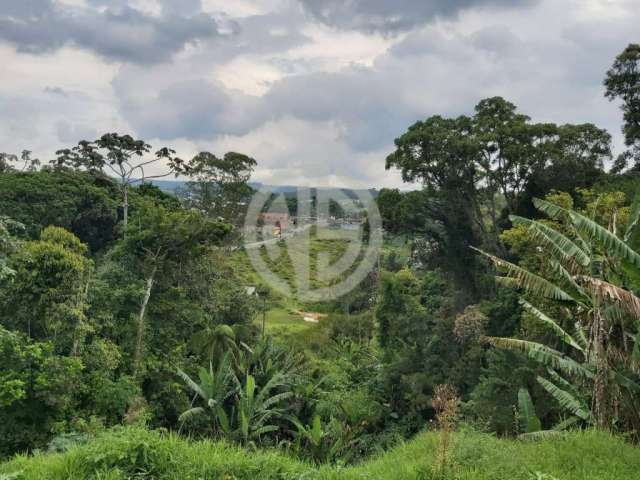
x=288, y=234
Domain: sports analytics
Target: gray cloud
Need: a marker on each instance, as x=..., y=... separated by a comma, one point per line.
x=25, y=8
x=393, y=16
x=366, y=113
x=194, y=109
x=430, y=71
x=70, y=133
x=321, y=117
x=124, y=33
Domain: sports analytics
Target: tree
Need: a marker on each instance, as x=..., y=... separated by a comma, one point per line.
x=443, y=154
x=389, y=203
x=28, y=164
x=215, y=341
x=218, y=186
x=121, y=156
x=46, y=296
x=512, y=149
x=8, y=244
x=161, y=240
x=477, y=170
x=623, y=82
x=81, y=202
x=38, y=391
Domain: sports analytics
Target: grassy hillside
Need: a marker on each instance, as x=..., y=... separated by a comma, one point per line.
x=137, y=453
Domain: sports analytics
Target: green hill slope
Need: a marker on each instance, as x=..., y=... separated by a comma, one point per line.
x=136, y=453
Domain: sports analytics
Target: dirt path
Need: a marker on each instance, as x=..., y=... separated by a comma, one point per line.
x=311, y=317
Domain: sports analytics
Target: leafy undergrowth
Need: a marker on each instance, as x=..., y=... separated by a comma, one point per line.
x=137, y=453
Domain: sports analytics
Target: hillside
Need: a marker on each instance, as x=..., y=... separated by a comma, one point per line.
x=137, y=453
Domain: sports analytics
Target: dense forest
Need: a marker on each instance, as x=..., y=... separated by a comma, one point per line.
x=505, y=303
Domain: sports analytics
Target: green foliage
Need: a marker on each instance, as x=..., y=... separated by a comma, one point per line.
x=38, y=391
x=132, y=452
x=244, y=397
x=218, y=186
x=527, y=419
x=594, y=256
x=45, y=297
x=623, y=82
x=82, y=203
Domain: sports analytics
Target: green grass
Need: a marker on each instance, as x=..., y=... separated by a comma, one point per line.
x=296, y=251
x=282, y=321
x=137, y=453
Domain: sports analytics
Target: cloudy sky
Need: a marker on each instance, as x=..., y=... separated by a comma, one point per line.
x=315, y=90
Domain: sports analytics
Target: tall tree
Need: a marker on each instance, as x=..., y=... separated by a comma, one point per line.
x=29, y=164
x=160, y=241
x=623, y=82
x=121, y=156
x=218, y=186
x=512, y=149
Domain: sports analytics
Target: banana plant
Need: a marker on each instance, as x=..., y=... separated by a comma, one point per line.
x=256, y=409
x=325, y=443
x=528, y=421
x=214, y=388
x=588, y=266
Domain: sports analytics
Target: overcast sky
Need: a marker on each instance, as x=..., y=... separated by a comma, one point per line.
x=314, y=90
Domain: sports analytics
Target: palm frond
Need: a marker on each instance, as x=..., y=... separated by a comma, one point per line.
x=609, y=241
x=551, y=209
x=529, y=421
x=543, y=355
x=608, y=292
x=192, y=385
x=557, y=329
x=276, y=399
x=634, y=219
x=569, y=279
x=529, y=281
x=566, y=423
x=581, y=336
x=566, y=400
x=192, y=412
x=563, y=247
x=557, y=212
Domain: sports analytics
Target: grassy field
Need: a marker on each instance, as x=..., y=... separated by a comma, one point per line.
x=137, y=453
x=314, y=249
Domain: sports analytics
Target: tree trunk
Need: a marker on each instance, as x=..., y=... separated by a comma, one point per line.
x=140, y=333
x=82, y=301
x=125, y=206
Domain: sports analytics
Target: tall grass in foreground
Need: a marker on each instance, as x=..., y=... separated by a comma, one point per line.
x=128, y=453
x=445, y=404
